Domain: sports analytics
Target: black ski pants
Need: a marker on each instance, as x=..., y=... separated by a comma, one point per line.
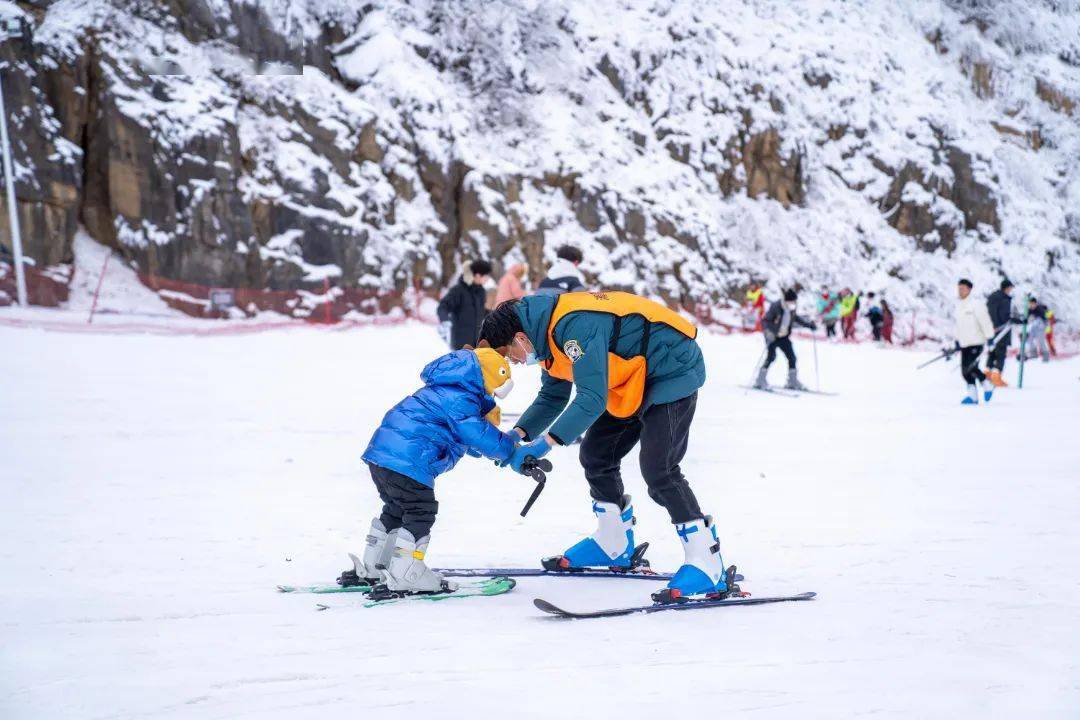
x=784, y=345
x=406, y=502
x=969, y=364
x=996, y=361
x=663, y=431
x=830, y=328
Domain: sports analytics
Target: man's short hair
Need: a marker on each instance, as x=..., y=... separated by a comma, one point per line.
x=480, y=267
x=501, y=324
x=966, y=283
x=570, y=253
x=1006, y=284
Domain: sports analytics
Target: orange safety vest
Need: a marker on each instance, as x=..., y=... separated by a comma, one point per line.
x=626, y=376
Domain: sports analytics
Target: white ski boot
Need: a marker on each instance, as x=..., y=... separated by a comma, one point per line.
x=611, y=546
x=702, y=571
x=972, y=397
x=793, y=380
x=406, y=574
x=369, y=570
x=762, y=382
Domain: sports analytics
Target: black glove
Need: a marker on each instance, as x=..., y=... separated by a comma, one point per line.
x=813, y=325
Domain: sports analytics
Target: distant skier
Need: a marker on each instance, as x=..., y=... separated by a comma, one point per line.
x=777, y=328
x=420, y=438
x=755, y=305
x=634, y=369
x=511, y=285
x=973, y=330
x=564, y=275
x=1038, y=327
x=887, y=321
x=999, y=305
x=462, y=309
x=848, y=313
x=875, y=315
x=828, y=309
x=1051, y=321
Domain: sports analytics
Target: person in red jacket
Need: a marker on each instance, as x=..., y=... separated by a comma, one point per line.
x=887, y=324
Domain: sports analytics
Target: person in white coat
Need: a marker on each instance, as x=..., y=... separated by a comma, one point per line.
x=973, y=330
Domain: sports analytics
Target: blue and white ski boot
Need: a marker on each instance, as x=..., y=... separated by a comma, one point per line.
x=611, y=546
x=702, y=572
x=972, y=396
x=988, y=390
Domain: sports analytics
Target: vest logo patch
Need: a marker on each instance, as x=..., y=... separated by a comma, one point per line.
x=573, y=351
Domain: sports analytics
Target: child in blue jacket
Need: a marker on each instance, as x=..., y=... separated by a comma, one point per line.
x=421, y=437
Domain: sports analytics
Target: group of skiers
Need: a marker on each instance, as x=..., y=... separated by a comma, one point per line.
x=462, y=310
x=989, y=324
x=617, y=371
x=833, y=308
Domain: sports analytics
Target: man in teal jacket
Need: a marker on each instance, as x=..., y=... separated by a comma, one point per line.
x=674, y=369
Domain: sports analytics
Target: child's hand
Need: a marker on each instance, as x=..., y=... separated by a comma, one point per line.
x=536, y=449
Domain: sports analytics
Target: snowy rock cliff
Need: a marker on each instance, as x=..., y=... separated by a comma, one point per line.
x=688, y=148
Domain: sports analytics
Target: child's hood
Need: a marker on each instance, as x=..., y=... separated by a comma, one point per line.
x=457, y=368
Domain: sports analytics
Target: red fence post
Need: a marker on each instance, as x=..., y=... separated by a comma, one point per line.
x=97, y=290
x=326, y=299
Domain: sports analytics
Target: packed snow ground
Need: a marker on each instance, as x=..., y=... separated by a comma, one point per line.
x=156, y=489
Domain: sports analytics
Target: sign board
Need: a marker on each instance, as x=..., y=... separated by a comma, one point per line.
x=222, y=299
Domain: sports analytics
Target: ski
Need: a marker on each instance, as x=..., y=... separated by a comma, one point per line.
x=637, y=574
x=772, y=391
x=826, y=393
x=323, y=589
x=691, y=604
x=484, y=588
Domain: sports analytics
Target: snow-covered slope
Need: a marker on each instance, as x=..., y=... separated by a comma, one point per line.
x=687, y=147
x=155, y=492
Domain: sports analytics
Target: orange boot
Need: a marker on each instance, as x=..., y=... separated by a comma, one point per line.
x=996, y=379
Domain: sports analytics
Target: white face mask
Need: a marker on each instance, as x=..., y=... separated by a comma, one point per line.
x=504, y=389
x=530, y=355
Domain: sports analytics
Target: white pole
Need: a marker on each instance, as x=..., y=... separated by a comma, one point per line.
x=13, y=215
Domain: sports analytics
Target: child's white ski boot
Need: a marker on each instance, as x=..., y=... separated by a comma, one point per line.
x=369, y=569
x=406, y=573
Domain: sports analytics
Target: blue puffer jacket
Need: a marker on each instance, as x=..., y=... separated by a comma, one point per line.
x=425, y=434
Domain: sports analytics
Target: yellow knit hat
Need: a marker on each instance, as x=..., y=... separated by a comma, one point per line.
x=494, y=367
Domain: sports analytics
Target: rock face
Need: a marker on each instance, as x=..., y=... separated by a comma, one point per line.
x=48, y=177
x=684, y=159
